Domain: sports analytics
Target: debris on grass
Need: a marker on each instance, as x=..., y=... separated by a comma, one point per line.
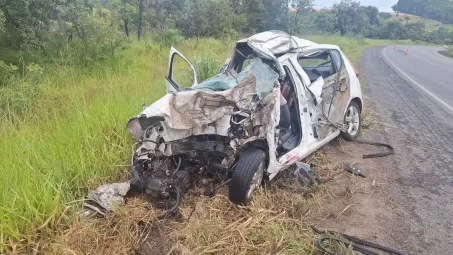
x=277, y=222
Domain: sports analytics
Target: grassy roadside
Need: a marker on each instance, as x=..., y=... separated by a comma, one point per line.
x=448, y=52
x=72, y=138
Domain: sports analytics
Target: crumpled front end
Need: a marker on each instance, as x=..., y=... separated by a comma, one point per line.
x=193, y=137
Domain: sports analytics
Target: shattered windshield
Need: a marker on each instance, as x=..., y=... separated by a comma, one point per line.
x=266, y=78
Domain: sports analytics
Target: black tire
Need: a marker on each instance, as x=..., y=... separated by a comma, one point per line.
x=352, y=136
x=248, y=164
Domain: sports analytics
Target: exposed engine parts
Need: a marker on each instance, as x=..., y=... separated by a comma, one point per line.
x=197, y=161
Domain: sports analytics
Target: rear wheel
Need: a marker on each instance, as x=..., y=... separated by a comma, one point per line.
x=352, y=121
x=247, y=176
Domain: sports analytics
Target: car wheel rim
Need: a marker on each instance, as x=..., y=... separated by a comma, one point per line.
x=352, y=120
x=256, y=180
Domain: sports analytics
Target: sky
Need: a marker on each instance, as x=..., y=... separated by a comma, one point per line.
x=382, y=5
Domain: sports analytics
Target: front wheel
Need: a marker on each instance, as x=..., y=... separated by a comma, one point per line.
x=247, y=176
x=352, y=121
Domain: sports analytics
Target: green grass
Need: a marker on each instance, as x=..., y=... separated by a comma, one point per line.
x=73, y=137
x=448, y=52
x=431, y=25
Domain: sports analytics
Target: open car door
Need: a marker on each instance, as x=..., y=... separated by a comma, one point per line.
x=181, y=73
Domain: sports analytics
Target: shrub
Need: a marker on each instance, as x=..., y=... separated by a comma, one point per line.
x=170, y=37
x=6, y=71
x=206, y=66
x=385, y=15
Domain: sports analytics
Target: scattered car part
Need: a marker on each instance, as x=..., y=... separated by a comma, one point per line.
x=390, y=149
x=307, y=176
x=357, y=244
x=354, y=170
x=105, y=198
x=174, y=209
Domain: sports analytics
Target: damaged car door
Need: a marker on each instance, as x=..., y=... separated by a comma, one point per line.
x=181, y=73
x=329, y=83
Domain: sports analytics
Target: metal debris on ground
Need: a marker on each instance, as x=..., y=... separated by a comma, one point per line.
x=363, y=247
x=354, y=170
x=105, y=198
x=390, y=150
x=307, y=176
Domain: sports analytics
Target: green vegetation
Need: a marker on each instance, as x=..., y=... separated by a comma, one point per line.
x=430, y=24
x=448, y=52
x=441, y=10
x=350, y=18
x=73, y=136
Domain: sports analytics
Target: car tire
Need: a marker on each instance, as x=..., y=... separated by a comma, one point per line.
x=353, y=122
x=247, y=176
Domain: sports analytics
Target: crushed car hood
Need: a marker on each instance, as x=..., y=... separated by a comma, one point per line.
x=207, y=107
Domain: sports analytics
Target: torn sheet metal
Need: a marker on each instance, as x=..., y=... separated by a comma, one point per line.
x=202, y=110
x=105, y=198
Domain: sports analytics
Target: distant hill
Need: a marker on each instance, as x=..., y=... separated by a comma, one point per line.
x=440, y=10
x=431, y=25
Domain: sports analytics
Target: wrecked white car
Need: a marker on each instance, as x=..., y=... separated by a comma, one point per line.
x=277, y=100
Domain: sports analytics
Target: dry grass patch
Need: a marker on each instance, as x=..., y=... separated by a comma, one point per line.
x=277, y=222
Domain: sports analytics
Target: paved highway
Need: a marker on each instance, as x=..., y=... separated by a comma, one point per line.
x=413, y=98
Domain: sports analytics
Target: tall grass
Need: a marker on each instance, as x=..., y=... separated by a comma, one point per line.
x=73, y=137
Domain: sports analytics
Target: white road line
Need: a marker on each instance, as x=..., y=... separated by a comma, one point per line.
x=442, y=102
x=425, y=60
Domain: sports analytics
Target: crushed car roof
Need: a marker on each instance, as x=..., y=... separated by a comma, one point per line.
x=276, y=42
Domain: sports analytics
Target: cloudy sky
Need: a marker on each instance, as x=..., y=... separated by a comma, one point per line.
x=383, y=5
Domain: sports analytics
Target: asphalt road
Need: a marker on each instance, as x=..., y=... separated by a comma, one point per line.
x=413, y=97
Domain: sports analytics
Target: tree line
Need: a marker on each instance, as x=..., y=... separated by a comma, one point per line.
x=441, y=10
x=349, y=17
x=86, y=31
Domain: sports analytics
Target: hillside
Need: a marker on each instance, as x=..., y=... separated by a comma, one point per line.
x=440, y=10
x=431, y=25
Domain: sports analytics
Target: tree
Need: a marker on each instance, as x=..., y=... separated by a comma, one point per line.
x=125, y=10
x=395, y=9
x=25, y=22
x=206, y=18
x=351, y=17
x=141, y=8
x=441, y=10
x=255, y=11
x=302, y=7
x=193, y=22
x=373, y=15
x=165, y=11
x=236, y=5
x=326, y=21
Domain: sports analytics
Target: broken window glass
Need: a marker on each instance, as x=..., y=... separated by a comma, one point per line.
x=266, y=79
